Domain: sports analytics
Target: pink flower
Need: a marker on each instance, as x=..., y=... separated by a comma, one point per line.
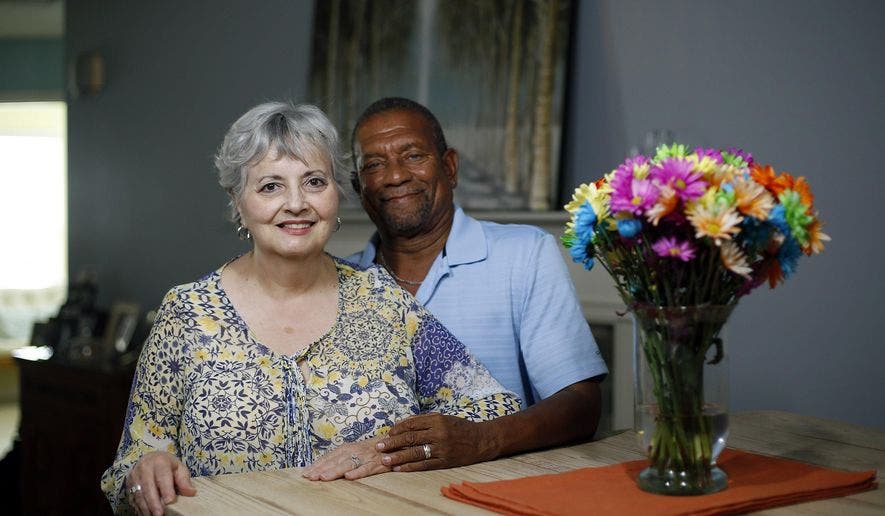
x=671, y=247
x=677, y=174
x=632, y=191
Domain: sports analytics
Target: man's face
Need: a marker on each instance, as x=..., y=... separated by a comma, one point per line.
x=406, y=186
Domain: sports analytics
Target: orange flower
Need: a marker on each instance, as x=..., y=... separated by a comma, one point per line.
x=752, y=199
x=777, y=183
x=774, y=273
x=816, y=238
x=718, y=224
x=734, y=259
x=665, y=205
x=801, y=186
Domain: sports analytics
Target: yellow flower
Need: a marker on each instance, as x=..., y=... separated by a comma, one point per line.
x=444, y=393
x=362, y=381
x=734, y=259
x=714, y=222
x=596, y=196
x=387, y=377
x=265, y=457
x=155, y=429
x=201, y=354
x=411, y=325
x=334, y=376
x=325, y=429
x=641, y=171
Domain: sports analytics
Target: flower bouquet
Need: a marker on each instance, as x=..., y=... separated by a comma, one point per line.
x=685, y=234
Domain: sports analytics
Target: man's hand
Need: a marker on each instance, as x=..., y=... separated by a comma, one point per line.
x=453, y=442
x=570, y=415
x=351, y=461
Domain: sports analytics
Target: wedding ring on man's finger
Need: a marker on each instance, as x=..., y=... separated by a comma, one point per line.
x=427, y=450
x=356, y=461
x=134, y=489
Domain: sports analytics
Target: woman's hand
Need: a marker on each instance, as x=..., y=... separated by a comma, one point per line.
x=351, y=461
x=154, y=480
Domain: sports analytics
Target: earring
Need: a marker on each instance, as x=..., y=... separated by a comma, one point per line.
x=243, y=232
x=338, y=226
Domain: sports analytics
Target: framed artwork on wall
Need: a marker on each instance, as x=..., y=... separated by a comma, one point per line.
x=493, y=71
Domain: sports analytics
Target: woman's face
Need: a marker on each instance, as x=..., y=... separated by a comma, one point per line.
x=289, y=206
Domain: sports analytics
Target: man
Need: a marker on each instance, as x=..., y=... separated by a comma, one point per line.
x=503, y=290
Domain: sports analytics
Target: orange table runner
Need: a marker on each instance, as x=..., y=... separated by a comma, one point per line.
x=755, y=482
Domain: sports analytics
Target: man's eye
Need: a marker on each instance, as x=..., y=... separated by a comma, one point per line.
x=414, y=157
x=372, y=165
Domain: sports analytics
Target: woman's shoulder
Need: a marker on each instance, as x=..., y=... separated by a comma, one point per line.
x=206, y=287
x=372, y=282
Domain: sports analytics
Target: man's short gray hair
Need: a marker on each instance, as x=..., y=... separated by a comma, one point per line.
x=299, y=131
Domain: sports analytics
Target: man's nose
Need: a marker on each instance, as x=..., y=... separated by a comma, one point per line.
x=396, y=173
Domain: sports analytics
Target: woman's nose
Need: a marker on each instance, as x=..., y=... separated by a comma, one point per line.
x=295, y=200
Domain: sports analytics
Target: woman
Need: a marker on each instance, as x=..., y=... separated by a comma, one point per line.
x=285, y=352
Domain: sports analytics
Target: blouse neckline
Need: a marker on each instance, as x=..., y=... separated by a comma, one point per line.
x=250, y=336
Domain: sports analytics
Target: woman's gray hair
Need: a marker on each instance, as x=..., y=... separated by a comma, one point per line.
x=299, y=131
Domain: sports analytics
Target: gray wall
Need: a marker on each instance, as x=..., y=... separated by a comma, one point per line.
x=799, y=83
x=796, y=82
x=145, y=210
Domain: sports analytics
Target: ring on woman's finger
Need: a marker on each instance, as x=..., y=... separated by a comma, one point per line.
x=427, y=450
x=134, y=489
x=356, y=461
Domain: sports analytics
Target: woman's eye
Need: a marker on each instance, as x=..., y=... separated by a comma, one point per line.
x=315, y=182
x=270, y=187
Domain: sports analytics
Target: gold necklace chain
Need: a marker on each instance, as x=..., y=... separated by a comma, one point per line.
x=397, y=278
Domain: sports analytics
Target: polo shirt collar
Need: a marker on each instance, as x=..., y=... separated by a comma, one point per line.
x=467, y=240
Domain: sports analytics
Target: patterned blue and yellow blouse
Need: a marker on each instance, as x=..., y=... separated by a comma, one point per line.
x=206, y=391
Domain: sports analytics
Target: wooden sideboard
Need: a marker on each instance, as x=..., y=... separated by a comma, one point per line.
x=71, y=421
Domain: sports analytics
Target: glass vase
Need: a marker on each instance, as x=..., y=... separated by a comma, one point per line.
x=681, y=397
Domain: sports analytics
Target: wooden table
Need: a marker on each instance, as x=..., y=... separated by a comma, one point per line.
x=808, y=439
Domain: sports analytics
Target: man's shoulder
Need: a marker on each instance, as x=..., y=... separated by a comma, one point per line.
x=514, y=238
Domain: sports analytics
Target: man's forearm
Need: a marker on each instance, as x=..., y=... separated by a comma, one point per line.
x=569, y=415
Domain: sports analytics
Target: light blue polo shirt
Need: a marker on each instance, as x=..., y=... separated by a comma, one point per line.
x=505, y=292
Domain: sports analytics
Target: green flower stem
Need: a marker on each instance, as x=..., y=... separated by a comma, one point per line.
x=675, y=351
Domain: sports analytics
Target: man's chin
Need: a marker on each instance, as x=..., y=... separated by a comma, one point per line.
x=403, y=224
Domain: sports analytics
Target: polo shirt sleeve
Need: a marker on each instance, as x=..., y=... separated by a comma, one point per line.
x=555, y=339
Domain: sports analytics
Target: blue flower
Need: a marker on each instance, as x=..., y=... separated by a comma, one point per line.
x=585, y=222
x=629, y=228
x=582, y=252
x=778, y=218
x=788, y=255
x=754, y=232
